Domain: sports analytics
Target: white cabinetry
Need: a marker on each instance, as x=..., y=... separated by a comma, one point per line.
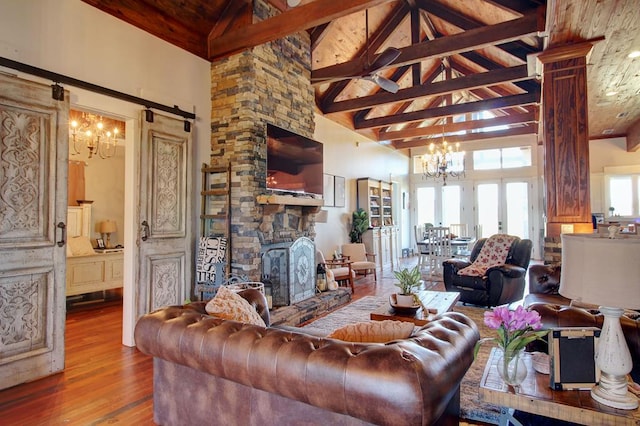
x=101, y=271
x=375, y=197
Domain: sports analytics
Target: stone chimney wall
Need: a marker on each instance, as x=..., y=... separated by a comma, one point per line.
x=267, y=84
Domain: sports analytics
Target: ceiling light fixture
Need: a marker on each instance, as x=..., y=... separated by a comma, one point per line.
x=443, y=161
x=293, y=3
x=89, y=129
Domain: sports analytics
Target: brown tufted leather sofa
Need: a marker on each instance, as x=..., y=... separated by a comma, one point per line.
x=212, y=371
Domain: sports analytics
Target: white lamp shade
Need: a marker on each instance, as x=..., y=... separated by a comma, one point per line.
x=108, y=227
x=601, y=271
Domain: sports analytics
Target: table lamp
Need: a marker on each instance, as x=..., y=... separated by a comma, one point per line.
x=108, y=227
x=605, y=272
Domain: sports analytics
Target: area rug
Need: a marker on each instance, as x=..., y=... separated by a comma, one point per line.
x=471, y=408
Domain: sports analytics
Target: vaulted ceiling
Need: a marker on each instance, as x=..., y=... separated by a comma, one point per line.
x=455, y=59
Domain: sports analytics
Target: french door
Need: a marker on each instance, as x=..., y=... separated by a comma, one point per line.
x=443, y=205
x=503, y=206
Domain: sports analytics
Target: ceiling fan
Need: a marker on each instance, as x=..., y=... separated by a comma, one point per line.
x=385, y=58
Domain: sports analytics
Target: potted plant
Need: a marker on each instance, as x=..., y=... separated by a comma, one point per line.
x=359, y=224
x=408, y=280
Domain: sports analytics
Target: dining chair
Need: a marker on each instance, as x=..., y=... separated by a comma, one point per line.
x=459, y=229
x=439, y=247
x=422, y=249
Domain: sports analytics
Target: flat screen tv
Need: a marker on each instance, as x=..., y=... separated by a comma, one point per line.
x=294, y=162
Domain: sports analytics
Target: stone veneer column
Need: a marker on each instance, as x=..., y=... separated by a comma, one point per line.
x=267, y=84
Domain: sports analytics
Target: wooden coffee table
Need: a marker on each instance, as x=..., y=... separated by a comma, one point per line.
x=436, y=302
x=536, y=397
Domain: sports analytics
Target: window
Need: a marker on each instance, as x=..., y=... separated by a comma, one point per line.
x=451, y=200
x=502, y=158
x=426, y=211
x=621, y=195
x=483, y=115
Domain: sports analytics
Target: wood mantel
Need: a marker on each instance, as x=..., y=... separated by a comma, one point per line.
x=311, y=205
x=289, y=200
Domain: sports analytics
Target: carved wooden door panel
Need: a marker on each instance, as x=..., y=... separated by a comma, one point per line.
x=33, y=202
x=165, y=243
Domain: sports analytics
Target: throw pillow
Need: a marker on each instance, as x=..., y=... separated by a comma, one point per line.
x=374, y=331
x=229, y=305
x=494, y=252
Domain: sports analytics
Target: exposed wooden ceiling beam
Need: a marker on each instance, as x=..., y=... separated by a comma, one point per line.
x=473, y=39
x=515, y=48
x=475, y=57
x=487, y=104
x=523, y=130
x=137, y=13
x=236, y=14
x=416, y=132
x=633, y=137
x=520, y=6
x=438, y=88
x=375, y=42
x=301, y=18
x=318, y=33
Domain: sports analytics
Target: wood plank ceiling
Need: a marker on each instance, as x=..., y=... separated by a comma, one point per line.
x=462, y=65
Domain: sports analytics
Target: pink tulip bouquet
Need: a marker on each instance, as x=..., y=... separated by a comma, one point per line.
x=516, y=329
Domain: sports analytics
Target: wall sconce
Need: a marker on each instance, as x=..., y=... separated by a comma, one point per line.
x=108, y=227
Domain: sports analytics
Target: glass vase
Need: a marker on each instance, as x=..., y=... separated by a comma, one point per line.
x=511, y=367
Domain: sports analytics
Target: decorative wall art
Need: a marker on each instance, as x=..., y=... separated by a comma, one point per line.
x=328, y=190
x=339, y=190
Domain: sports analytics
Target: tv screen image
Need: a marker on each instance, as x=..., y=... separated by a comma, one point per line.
x=294, y=162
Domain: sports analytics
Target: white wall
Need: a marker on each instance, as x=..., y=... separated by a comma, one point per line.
x=104, y=185
x=353, y=156
x=72, y=38
x=607, y=153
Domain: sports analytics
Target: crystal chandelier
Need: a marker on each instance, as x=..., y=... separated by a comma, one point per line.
x=443, y=161
x=89, y=130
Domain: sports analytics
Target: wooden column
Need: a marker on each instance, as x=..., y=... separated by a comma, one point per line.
x=566, y=139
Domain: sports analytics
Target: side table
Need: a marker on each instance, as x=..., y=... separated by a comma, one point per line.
x=536, y=397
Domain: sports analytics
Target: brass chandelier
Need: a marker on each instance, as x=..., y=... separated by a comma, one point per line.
x=443, y=161
x=89, y=130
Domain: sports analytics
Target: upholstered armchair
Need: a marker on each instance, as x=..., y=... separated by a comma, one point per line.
x=499, y=284
x=361, y=261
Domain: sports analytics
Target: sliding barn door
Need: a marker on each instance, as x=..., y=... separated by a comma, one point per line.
x=33, y=210
x=165, y=246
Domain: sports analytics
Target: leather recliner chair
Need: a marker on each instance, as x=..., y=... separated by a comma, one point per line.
x=500, y=284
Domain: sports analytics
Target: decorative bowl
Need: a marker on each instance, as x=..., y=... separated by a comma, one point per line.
x=402, y=308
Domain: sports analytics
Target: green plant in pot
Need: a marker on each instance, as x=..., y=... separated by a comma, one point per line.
x=359, y=224
x=408, y=281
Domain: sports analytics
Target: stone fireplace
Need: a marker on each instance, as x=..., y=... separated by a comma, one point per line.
x=269, y=83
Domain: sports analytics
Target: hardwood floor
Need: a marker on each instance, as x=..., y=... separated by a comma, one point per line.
x=105, y=382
